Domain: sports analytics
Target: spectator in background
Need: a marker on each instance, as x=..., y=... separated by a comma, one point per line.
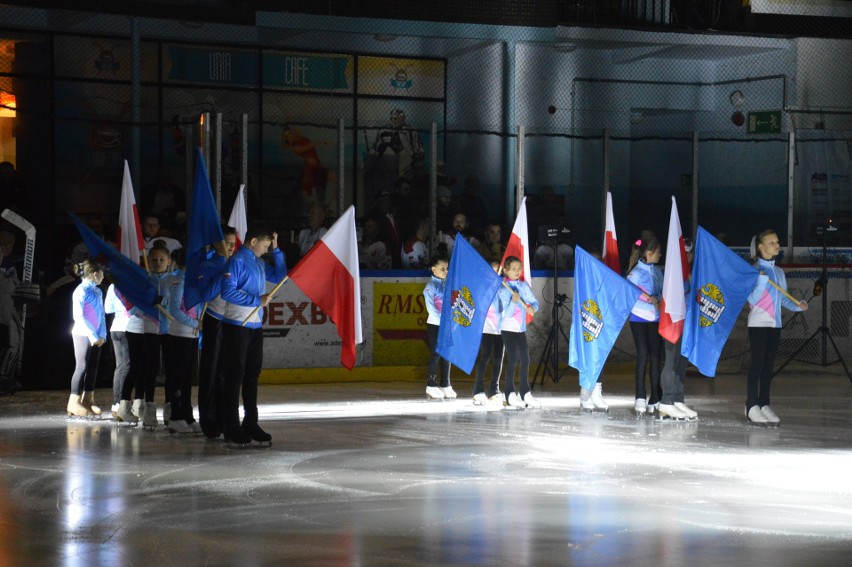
x=460, y=226
x=389, y=229
x=415, y=252
x=492, y=248
x=444, y=210
x=315, y=229
x=152, y=232
x=408, y=207
x=372, y=251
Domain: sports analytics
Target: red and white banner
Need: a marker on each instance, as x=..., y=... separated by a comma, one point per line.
x=129, y=239
x=673, y=305
x=237, y=219
x=519, y=242
x=610, y=243
x=328, y=275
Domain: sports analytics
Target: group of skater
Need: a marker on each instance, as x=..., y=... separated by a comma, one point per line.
x=504, y=334
x=233, y=295
x=227, y=329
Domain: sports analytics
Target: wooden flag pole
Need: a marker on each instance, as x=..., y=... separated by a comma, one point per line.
x=271, y=293
x=784, y=292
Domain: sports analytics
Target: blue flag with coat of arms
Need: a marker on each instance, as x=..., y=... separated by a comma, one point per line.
x=721, y=282
x=469, y=290
x=602, y=301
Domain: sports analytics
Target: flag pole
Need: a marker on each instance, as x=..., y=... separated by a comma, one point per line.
x=784, y=292
x=164, y=312
x=272, y=292
x=145, y=260
x=507, y=286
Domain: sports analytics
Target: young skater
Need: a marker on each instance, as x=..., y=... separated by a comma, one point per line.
x=182, y=360
x=243, y=289
x=437, y=388
x=159, y=261
x=644, y=318
x=764, y=325
x=211, y=388
x=89, y=335
x=516, y=302
x=491, y=349
x=674, y=370
x=123, y=379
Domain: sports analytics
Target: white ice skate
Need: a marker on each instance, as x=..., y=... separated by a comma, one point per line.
x=670, y=411
x=640, y=406
x=179, y=426
x=514, y=401
x=149, y=419
x=690, y=413
x=531, y=402
x=597, y=398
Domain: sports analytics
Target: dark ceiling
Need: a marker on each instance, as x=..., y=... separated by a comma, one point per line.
x=698, y=15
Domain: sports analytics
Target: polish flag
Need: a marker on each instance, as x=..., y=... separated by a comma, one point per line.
x=129, y=239
x=673, y=305
x=238, y=216
x=328, y=275
x=519, y=246
x=519, y=242
x=610, y=245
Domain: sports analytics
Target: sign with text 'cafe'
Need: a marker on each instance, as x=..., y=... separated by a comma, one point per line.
x=241, y=67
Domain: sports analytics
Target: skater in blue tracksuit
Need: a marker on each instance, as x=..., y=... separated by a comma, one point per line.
x=438, y=384
x=244, y=289
x=764, y=325
x=645, y=319
x=89, y=335
x=490, y=349
x=211, y=389
x=516, y=302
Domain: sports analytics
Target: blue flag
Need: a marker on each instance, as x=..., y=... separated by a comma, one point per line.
x=602, y=301
x=470, y=288
x=129, y=278
x=721, y=282
x=203, y=228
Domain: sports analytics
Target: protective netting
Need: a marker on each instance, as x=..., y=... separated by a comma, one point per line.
x=415, y=116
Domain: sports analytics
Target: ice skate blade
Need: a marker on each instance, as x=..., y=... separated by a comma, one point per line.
x=149, y=427
x=262, y=444
x=235, y=445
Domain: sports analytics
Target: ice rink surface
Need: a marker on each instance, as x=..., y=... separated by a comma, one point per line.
x=373, y=474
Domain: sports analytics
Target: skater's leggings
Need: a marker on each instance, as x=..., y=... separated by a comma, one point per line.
x=647, y=339
x=86, y=368
x=153, y=348
x=673, y=373
x=210, y=385
x=763, y=343
x=122, y=363
x=242, y=362
x=491, y=349
x=183, y=364
x=517, y=354
x=435, y=359
x=136, y=376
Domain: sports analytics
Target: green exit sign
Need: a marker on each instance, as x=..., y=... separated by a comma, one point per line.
x=764, y=122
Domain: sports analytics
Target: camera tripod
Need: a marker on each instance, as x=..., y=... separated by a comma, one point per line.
x=548, y=363
x=823, y=331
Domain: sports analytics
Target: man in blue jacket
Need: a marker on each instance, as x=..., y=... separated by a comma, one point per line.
x=244, y=290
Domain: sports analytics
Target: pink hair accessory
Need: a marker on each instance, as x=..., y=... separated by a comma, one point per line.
x=638, y=242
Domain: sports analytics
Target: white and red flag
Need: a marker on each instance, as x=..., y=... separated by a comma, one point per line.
x=610, y=244
x=129, y=239
x=328, y=275
x=673, y=305
x=238, y=216
x=519, y=246
x=519, y=243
